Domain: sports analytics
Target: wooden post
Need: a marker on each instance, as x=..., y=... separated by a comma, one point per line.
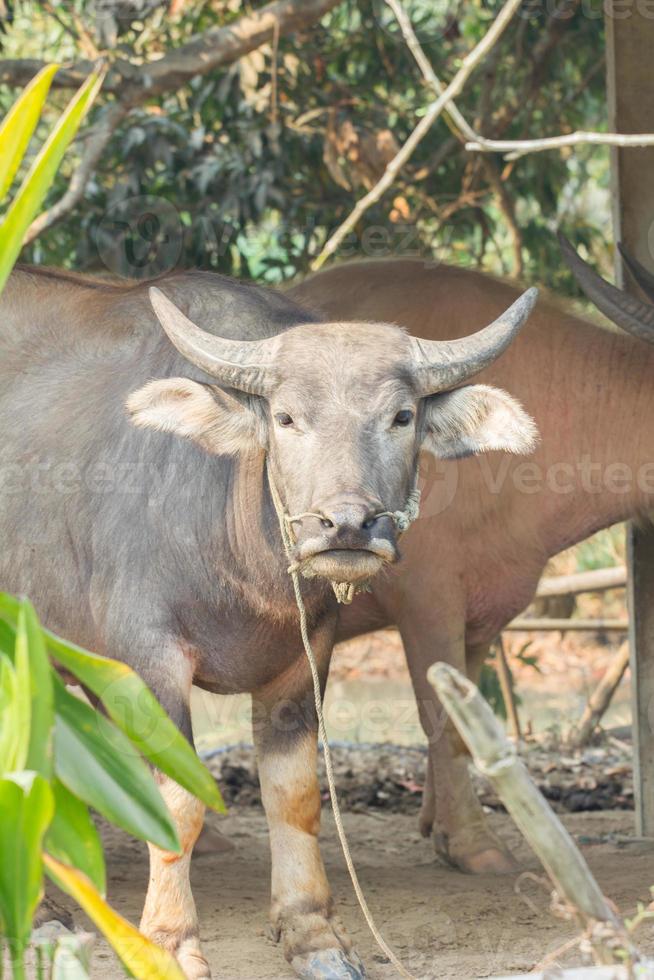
x=498, y=760
x=508, y=689
x=630, y=82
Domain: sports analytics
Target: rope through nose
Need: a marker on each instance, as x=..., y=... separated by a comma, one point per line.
x=299, y=517
x=403, y=519
x=283, y=519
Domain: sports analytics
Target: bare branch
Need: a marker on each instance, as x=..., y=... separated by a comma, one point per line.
x=600, y=699
x=470, y=62
x=497, y=759
x=134, y=85
x=215, y=48
x=97, y=138
x=414, y=46
x=20, y=71
x=505, y=204
x=517, y=148
x=225, y=45
x=513, y=148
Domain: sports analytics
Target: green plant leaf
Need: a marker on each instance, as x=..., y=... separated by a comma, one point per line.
x=73, y=957
x=97, y=763
x=73, y=838
x=30, y=643
x=140, y=956
x=11, y=734
x=134, y=709
x=7, y=638
x=19, y=125
x=26, y=806
x=23, y=695
x=32, y=191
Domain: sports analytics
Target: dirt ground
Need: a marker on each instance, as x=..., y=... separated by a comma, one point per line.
x=441, y=923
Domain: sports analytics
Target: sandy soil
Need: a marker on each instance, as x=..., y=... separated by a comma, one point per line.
x=441, y=923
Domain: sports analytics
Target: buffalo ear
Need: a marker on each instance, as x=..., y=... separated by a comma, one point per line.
x=223, y=424
x=476, y=419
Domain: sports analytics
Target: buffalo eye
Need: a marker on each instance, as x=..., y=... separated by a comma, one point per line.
x=284, y=419
x=403, y=418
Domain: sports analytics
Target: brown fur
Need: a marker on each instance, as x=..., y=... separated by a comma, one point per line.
x=487, y=527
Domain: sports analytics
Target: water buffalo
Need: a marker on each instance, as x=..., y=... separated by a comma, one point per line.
x=488, y=527
x=166, y=552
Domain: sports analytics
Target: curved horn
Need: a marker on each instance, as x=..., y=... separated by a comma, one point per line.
x=639, y=273
x=625, y=311
x=246, y=365
x=442, y=364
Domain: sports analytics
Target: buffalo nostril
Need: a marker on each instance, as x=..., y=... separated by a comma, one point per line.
x=326, y=522
x=369, y=522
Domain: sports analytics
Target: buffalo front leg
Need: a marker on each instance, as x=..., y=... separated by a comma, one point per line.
x=169, y=917
x=302, y=913
x=451, y=812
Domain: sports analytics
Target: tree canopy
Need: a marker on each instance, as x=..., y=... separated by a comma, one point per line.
x=237, y=137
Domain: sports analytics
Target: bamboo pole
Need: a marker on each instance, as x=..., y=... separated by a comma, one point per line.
x=497, y=759
x=526, y=624
x=597, y=580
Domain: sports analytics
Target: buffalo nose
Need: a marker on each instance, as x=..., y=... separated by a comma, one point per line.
x=343, y=518
x=346, y=524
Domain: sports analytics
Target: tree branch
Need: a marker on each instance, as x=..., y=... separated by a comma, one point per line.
x=470, y=62
x=225, y=45
x=463, y=131
x=20, y=71
x=97, y=138
x=215, y=48
x=517, y=148
x=133, y=85
x=506, y=206
x=513, y=148
x=414, y=46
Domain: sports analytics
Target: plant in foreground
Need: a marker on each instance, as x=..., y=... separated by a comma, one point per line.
x=58, y=757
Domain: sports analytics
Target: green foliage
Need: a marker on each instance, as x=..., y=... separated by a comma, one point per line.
x=72, y=836
x=59, y=756
x=491, y=689
x=97, y=763
x=15, y=134
x=605, y=549
x=254, y=160
x=26, y=806
x=136, y=712
x=19, y=125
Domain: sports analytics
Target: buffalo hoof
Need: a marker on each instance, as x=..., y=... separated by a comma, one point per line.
x=186, y=951
x=483, y=854
x=190, y=958
x=329, y=964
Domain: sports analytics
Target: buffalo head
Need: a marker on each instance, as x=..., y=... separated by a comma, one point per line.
x=343, y=411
